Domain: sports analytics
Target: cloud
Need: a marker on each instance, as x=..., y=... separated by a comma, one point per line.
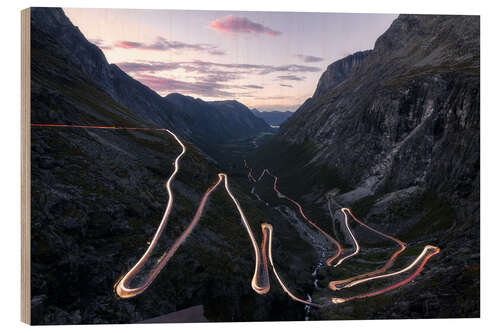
x=200, y=87
x=241, y=25
x=163, y=84
x=291, y=77
x=290, y=68
x=308, y=58
x=206, y=67
x=162, y=44
x=219, y=76
x=100, y=43
x=253, y=86
x=286, y=85
x=129, y=45
x=134, y=67
x=209, y=79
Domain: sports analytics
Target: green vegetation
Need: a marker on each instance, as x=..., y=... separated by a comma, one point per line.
x=438, y=216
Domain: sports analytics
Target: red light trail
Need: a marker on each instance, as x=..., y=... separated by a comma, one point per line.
x=433, y=251
x=260, y=280
x=355, y=280
x=100, y=127
x=281, y=195
x=334, y=285
x=267, y=231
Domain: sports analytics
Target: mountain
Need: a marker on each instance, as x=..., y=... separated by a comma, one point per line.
x=273, y=118
x=97, y=197
x=394, y=134
x=223, y=120
x=339, y=71
x=136, y=97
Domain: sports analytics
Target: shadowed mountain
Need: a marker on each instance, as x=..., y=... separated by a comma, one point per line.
x=339, y=71
x=97, y=197
x=273, y=118
x=222, y=120
x=394, y=134
x=194, y=119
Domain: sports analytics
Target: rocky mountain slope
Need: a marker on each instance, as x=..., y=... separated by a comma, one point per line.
x=273, y=118
x=222, y=120
x=393, y=133
x=339, y=71
x=98, y=196
x=67, y=42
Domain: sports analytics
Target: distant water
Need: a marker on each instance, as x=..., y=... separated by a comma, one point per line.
x=275, y=126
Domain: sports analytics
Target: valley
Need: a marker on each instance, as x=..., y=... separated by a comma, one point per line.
x=363, y=204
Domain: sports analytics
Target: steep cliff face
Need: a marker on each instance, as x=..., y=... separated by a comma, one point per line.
x=339, y=71
x=396, y=138
x=408, y=116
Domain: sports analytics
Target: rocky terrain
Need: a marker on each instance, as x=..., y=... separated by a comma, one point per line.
x=172, y=111
x=98, y=196
x=393, y=133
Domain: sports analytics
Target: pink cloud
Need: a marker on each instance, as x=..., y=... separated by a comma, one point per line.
x=100, y=43
x=241, y=25
x=308, y=58
x=128, y=45
x=162, y=44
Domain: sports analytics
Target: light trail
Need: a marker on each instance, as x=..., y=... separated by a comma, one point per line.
x=281, y=195
x=100, y=127
x=350, y=282
x=260, y=289
x=434, y=250
x=334, y=285
x=356, y=251
x=250, y=176
x=122, y=288
x=427, y=248
x=267, y=232
x=260, y=280
x=262, y=174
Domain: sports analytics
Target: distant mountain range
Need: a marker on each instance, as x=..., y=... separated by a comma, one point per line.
x=220, y=121
x=273, y=118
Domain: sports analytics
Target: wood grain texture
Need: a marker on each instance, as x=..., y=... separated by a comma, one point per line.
x=25, y=168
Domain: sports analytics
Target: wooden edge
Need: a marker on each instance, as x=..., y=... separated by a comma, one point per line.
x=25, y=167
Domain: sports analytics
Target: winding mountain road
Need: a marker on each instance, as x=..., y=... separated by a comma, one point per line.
x=425, y=255
x=260, y=280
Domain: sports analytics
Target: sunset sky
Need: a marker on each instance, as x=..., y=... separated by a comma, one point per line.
x=266, y=60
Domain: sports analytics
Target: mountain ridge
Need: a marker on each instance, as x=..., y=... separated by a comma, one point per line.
x=230, y=120
x=273, y=118
x=127, y=91
x=397, y=140
x=97, y=195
